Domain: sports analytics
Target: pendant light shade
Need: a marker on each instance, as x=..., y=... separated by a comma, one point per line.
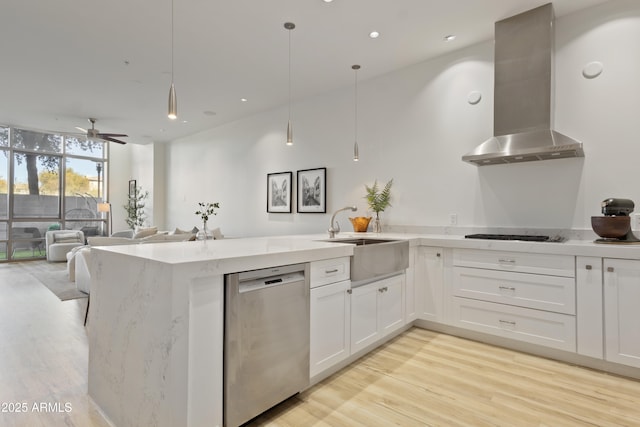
x=289, y=26
x=356, y=153
x=173, y=101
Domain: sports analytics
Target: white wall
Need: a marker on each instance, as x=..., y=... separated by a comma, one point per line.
x=414, y=125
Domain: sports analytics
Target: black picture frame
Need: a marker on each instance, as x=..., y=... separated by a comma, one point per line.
x=312, y=190
x=279, y=192
x=132, y=193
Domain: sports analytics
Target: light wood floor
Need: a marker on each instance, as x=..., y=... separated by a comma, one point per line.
x=420, y=378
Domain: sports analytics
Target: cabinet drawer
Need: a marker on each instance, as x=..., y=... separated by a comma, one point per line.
x=551, y=293
x=553, y=265
x=533, y=326
x=330, y=271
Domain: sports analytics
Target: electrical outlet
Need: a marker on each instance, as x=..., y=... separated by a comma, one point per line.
x=453, y=219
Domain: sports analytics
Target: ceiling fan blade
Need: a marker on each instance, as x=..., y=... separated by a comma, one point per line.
x=81, y=129
x=107, y=138
x=102, y=135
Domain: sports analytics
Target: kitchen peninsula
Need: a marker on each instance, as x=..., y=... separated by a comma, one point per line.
x=156, y=324
x=156, y=319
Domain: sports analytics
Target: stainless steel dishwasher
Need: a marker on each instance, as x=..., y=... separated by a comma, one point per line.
x=266, y=339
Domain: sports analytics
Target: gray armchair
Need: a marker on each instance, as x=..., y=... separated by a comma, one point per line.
x=60, y=242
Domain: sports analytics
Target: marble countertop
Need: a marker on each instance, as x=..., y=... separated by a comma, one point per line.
x=315, y=247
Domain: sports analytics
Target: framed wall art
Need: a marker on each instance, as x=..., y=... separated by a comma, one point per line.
x=279, y=192
x=312, y=190
x=132, y=193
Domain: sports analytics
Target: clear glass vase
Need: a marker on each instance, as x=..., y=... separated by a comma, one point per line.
x=377, y=225
x=202, y=234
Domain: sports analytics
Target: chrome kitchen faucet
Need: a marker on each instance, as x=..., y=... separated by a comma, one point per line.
x=334, y=229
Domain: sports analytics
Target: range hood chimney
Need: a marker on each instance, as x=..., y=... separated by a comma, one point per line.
x=523, y=94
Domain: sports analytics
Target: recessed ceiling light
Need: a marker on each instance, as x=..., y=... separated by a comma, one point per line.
x=327, y=1
x=449, y=38
x=243, y=99
x=374, y=34
x=184, y=121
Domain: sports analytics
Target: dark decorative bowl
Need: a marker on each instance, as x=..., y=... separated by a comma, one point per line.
x=611, y=227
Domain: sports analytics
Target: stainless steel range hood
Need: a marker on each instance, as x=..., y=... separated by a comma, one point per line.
x=523, y=94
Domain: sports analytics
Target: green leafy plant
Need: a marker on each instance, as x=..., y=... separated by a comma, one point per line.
x=379, y=200
x=136, y=216
x=206, y=210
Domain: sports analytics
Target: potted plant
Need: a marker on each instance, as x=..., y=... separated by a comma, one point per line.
x=205, y=211
x=136, y=216
x=378, y=201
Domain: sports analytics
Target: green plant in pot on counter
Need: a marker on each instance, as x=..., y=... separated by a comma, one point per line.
x=378, y=201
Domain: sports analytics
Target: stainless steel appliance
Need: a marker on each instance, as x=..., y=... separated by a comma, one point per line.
x=523, y=94
x=523, y=237
x=615, y=224
x=266, y=339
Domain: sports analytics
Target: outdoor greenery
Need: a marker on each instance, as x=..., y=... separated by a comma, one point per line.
x=74, y=183
x=379, y=200
x=136, y=216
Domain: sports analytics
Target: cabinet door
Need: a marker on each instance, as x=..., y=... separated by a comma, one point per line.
x=622, y=317
x=429, y=283
x=391, y=304
x=589, y=315
x=364, y=316
x=411, y=304
x=330, y=313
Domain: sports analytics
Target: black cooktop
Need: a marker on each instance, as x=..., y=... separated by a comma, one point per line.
x=528, y=238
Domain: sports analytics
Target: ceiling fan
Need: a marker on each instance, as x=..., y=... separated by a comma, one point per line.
x=95, y=133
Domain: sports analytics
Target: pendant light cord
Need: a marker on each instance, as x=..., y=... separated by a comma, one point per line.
x=356, y=154
x=290, y=75
x=172, y=43
x=356, y=105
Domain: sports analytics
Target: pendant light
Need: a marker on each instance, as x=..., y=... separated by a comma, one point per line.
x=173, y=101
x=289, y=26
x=356, y=154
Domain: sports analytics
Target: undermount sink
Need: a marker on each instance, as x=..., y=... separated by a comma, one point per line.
x=361, y=241
x=376, y=258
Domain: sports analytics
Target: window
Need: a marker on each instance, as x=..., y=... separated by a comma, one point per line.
x=48, y=181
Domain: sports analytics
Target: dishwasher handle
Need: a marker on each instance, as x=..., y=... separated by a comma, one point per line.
x=270, y=281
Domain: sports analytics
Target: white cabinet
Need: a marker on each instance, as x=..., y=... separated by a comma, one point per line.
x=429, y=279
x=330, y=308
x=411, y=304
x=589, y=305
x=523, y=296
x=329, y=271
x=330, y=328
x=533, y=326
x=377, y=309
x=621, y=312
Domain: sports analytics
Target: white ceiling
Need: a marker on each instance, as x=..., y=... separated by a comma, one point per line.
x=66, y=60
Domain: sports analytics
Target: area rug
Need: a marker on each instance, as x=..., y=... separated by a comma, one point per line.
x=53, y=275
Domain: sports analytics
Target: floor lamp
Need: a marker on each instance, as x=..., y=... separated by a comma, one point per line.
x=106, y=207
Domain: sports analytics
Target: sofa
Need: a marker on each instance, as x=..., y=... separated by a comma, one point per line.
x=78, y=260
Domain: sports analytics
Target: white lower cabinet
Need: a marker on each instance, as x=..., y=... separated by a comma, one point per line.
x=553, y=330
x=330, y=325
x=429, y=279
x=589, y=307
x=377, y=309
x=621, y=313
x=521, y=296
x=411, y=304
